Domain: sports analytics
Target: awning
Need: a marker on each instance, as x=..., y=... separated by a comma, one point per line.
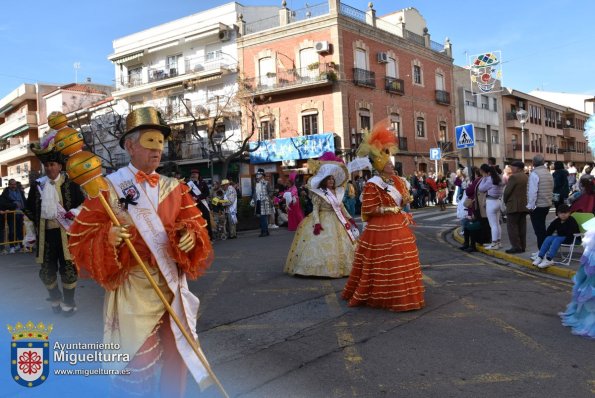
x=5, y=108
x=15, y=132
x=128, y=57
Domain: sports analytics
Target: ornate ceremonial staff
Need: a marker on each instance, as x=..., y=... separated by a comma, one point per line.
x=84, y=168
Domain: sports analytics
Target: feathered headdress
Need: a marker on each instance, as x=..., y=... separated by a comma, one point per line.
x=46, y=151
x=378, y=145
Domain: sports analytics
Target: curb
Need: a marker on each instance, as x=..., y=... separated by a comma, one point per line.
x=554, y=270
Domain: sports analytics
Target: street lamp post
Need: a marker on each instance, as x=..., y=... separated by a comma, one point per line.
x=521, y=115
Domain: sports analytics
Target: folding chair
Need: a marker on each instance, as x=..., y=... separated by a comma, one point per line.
x=580, y=218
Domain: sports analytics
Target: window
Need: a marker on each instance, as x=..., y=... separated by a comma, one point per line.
x=495, y=104
x=267, y=130
x=439, y=81
x=361, y=59
x=470, y=98
x=364, y=120
x=308, y=57
x=420, y=127
x=171, y=65
x=266, y=71
x=443, y=134
x=395, y=123
x=495, y=137
x=310, y=124
x=134, y=75
x=485, y=102
x=391, y=68
x=213, y=52
x=417, y=79
x=480, y=134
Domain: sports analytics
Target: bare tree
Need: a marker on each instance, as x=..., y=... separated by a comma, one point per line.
x=101, y=133
x=224, y=124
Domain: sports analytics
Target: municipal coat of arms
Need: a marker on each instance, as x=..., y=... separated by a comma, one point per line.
x=30, y=353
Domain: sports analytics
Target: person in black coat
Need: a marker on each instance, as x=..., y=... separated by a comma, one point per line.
x=561, y=189
x=14, y=219
x=52, y=204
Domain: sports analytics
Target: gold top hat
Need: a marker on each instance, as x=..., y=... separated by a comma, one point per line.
x=148, y=118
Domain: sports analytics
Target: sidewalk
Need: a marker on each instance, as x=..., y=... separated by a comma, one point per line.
x=524, y=259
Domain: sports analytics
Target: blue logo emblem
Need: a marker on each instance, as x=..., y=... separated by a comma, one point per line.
x=30, y=353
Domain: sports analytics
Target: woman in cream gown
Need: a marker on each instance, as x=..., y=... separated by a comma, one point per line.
x=324, y=242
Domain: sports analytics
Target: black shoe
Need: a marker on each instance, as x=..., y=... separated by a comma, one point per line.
x=261, y=235
x=470, y=249
x=464, y=247
x=56, y=309
x=266, y=233
x=513, y=250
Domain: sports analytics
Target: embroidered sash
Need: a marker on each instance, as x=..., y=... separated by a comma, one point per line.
x=149, y=225
x=331, y=199
x=64, y=222
x=388, y=188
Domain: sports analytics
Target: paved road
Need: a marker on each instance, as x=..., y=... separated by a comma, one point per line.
x=488, y=329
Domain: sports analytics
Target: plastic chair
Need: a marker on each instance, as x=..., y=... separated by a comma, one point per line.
x=580, y=218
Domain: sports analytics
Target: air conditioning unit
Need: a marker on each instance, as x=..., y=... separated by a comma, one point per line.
x=322, y=46
x=224, y=35
x=382, y=58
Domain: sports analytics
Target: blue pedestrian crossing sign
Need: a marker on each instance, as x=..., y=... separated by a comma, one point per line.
x=435, y=154
x=465, y=136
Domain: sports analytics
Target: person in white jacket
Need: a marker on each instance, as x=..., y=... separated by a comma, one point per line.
x=231, y=210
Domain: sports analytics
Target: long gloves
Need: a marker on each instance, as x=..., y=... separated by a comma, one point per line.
x=317, y=229
x=117, y=234
x=187, y=240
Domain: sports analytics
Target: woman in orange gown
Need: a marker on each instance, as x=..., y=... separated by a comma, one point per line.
x=386, y=272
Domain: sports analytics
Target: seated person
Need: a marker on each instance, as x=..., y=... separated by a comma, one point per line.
x=564, y=227
x=584, y=200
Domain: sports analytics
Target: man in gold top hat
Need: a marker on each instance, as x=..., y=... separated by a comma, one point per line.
x=166, y=228
x=52, y=203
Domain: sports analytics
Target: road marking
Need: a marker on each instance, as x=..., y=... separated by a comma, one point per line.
x=444, y=226
x=345, y=339
x=505, y=378
x=290, y=290
x=261, y=326
x=522, y=337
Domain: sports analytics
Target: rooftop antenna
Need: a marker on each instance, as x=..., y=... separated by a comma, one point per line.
x=76, y=66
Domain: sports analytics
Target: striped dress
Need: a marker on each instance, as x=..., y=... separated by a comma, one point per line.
x=386, y=272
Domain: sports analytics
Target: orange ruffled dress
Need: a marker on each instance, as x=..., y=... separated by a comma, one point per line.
x=386, y=271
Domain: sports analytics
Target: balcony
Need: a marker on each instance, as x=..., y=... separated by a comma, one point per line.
x=17, y=124
x=192, y=68
x=571, y=132
x=363, y=77
x=291, y=80
x=445, y=146
x=402, y=143
x=513, y=122
x=571, y=155
x=394, y=85
x=443, y=97
x=15, y=152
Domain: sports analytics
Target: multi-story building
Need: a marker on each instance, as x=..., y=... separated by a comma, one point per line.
x=20, y=115
x=554, y=130
x=483, y=111
x=331, y=68
x=188, y=69
x=582, y=102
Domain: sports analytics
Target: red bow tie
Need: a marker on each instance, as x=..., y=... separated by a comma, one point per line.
x=152, y=179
